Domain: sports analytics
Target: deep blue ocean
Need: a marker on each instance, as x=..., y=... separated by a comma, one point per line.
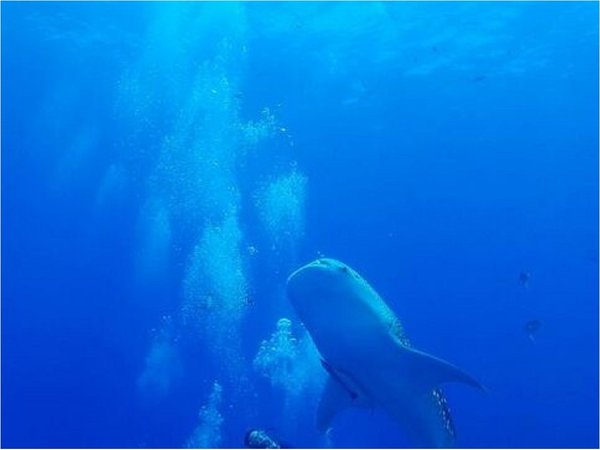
x=166, y=166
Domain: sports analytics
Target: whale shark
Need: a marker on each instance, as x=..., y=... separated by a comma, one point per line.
x=369, y=360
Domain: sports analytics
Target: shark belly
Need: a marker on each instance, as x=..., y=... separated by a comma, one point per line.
x=346, y=345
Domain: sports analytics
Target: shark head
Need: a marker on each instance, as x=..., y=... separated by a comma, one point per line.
x=322, y=277
x=323, y=287
x=338, y=307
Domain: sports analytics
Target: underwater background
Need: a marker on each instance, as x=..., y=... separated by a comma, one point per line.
x=166, y=166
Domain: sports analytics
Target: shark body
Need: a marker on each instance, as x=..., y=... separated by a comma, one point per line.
x=369, y=360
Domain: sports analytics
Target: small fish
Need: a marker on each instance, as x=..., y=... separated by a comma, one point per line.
x=524, y=278
x=531, y=328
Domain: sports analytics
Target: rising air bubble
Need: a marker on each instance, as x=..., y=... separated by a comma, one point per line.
x=289, y=363
x=162, y=365
x=208, y=433
x=281, y=208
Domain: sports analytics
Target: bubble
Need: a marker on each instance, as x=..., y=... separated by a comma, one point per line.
x=281, y=208
x=112, y=186
x=256, y=131
x=208, y=433
x=291, y=364
x=154, y=245
x=162, y=365
x=216, y=272
x=215, y=292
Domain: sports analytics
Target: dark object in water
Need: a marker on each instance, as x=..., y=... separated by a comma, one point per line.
x=524, y=278
x=259, y=439
x=532, y=327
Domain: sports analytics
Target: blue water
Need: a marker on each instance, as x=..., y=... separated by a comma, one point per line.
x=166, y=166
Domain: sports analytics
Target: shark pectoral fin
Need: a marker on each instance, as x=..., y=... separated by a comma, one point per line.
x=429, y=371
x=335, y=398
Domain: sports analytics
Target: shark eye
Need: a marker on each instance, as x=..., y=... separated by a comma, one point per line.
x=345, y=269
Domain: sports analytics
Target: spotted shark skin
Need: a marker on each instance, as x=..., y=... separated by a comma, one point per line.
x=368, y=357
